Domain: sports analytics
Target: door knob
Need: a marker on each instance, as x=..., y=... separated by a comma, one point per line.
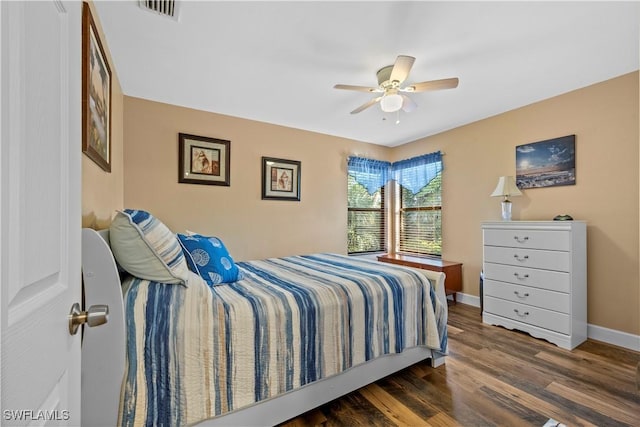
x=96, y=315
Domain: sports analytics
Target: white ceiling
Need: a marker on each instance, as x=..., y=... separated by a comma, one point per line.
x=277, y=62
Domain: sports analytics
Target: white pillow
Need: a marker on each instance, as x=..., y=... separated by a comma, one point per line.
x=146, y=248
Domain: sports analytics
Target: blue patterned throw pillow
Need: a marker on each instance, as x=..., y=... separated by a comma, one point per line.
x=208, y=257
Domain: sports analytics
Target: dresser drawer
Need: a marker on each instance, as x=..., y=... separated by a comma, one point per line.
x=548, y=260
x=541, y=298
x=535, y=316
x=559, y=281
x=529, y=239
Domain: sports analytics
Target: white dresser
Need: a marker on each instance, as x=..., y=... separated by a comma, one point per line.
x=535, y=278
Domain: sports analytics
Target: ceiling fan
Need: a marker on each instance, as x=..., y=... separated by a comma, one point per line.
x=390, y=80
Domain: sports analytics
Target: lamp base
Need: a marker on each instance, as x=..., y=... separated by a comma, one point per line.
x=506, y=211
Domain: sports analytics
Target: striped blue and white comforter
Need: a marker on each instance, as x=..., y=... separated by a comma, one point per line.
x=196, y=352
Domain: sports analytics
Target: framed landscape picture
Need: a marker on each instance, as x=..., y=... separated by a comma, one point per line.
x=96, y=95
x=280, y=179
x=547, y=163
x=203, y=160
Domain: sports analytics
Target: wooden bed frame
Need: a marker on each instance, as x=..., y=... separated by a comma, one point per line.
x=103, y=354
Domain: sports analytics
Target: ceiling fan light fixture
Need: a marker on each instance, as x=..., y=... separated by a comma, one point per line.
x=390, y=85
x=391, y=103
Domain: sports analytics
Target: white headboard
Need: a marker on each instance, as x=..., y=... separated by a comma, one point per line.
x=103, y=347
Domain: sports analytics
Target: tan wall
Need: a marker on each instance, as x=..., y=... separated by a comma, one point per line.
x=604, y=118
x=250, y=227
x=103, y=192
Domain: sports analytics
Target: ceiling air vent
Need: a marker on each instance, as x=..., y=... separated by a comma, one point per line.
x=168, y=8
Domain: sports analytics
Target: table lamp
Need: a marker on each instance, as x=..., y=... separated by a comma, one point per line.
x=506, y=187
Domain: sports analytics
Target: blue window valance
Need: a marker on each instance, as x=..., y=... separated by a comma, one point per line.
x=372, y=174
x=413, y=174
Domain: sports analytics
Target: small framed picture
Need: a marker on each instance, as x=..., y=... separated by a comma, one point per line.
x=280, y=179
x=96, y=95
x=203, y=160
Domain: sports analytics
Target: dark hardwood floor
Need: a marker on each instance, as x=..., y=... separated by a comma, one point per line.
x=497, y=377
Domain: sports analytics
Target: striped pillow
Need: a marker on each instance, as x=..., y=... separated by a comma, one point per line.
x=146, y=248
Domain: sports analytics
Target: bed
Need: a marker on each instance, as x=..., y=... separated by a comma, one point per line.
x=292, y=334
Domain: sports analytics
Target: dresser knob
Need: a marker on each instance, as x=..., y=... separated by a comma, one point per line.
x=525, y=314
x=519, y=277
x=521, y=259
x=520, y=240
x=526, y=294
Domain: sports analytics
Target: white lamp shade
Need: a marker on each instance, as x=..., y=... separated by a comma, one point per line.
x=391, y=103
x=506, y=187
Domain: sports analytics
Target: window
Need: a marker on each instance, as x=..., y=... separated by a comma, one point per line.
x=366, y=210
x=418, y=229
x=420, y=204
x=366, y=219
x=420, y=219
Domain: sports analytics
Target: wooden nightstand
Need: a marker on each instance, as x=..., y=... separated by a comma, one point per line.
x=452, y=269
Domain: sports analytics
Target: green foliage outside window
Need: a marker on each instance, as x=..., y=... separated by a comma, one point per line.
x=366, y=219
x=421, y=220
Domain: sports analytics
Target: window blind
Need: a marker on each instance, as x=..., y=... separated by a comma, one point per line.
x=366, y=219
x=421, y=205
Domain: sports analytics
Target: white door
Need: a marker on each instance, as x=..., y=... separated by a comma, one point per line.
x=40, y=174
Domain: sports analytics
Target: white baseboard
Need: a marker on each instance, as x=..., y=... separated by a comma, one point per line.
x=611, y=336
x=598, y=333
x=468, y=299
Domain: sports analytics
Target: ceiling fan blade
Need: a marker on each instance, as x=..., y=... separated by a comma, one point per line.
x=366, y=105
x=407, y=104
x=357, y=88
x=432, y=85
x=401, y=68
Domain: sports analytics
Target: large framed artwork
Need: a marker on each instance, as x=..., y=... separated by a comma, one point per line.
x=203, y=160
x=96, y=95
x=280, y=179
x=548, y=163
